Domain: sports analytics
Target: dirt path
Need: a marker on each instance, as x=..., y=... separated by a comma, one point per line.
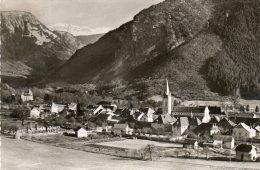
x=26, y=155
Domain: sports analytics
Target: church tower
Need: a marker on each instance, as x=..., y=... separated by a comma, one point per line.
x=167, y=100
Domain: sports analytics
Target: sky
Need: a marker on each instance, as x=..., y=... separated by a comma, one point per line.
x=84, y=13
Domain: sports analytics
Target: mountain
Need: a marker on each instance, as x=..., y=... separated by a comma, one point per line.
x=29, y=48
x=204, y=47
x=88, y=39
x=77, y=30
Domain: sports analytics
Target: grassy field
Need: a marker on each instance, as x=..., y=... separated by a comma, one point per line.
x=138, y=144
x=26, y=155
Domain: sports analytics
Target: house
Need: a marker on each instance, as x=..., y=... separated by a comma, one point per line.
x=226, y=125
x=138, y=115
x=257, y=131
x=206, y=129
x=224, y=141
x=148, y=114
x=72, y=106
x=27, y=95
x=165, y=119
x=194, y=122
x=180, y=126
x=120, y=129
x=246, y=152
x=243, y=131
x=81, y=132
x=190, y=143
x=57, y=108
x=35, y=112
x=98, y=110
x=108, y=105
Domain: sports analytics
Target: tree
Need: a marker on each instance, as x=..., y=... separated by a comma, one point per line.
x=247, y=108
x=151, y=152
x=257, y=109
x=21, y=114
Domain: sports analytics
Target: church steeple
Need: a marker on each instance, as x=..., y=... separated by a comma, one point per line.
x=167, y=101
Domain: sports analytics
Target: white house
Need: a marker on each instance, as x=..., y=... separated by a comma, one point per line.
x=72, y=106
x=245, y=152
x=81, y=132
x=243, y=131
x=35, y=112
x=27, y=96
x=224, y=141
x=56, y=108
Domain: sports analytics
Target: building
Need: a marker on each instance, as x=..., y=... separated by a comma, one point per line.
x=57, y=108
x=243, y=131
x=180, y=126
x=246, y=152
x=190, y=143
x=224, y=141
x=120, y=129
x=226, y=125
x=72, y=106
x=35, y=112
x=147, y=114
x=257, y=131
x=199, y=111
x=165, y=119
x=81, y=132
x=27, y=95
x=167, y=100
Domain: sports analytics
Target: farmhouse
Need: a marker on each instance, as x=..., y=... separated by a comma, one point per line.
x=81, y=132
x=243, y=131
x=245, y=152
x=223, y=141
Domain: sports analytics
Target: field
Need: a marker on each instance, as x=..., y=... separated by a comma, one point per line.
x=138, y=144
x=26, y=155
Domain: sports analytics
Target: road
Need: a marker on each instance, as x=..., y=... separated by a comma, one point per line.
x=26, y=155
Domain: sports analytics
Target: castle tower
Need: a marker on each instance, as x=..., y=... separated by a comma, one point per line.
x=167, y=100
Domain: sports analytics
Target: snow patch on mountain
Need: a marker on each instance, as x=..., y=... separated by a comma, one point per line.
x=77, y=30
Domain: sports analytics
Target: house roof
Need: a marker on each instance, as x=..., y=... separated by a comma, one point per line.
x=257, y=128
x=245, y=126
x=182, y=121
x=78, y=128
x=224, y=138
x=227, y=121
x=215, y=110
x=165, y=119
x=146, y=110
x=244, y=148
x=202, y=128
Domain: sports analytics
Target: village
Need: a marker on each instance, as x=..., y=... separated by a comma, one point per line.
x=174, y=130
